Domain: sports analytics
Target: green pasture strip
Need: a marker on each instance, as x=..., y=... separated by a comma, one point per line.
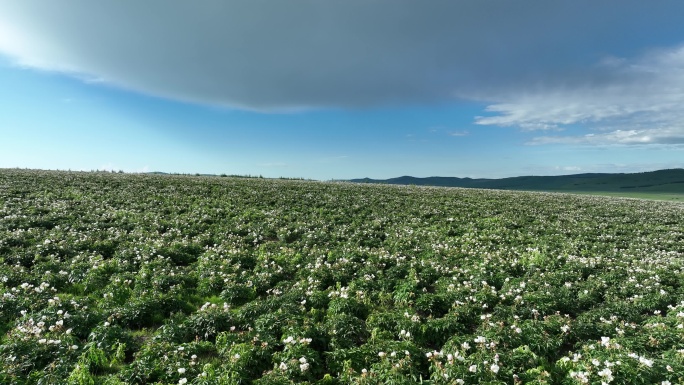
x=674, y=197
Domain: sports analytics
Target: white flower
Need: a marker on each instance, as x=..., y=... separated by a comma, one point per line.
x=495, y=368
x=182, y=381
x=181, y=370
x=282, y=366
x=382, y=354
x=472, y=368
x=304, y=367
x=646, y=361
x=582, y=377
x=665, y=383
x=607, y=374
x=302, y=360
x=480, y=340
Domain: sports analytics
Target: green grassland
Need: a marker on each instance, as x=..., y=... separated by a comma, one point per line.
x=165, y=279
x=674, y=197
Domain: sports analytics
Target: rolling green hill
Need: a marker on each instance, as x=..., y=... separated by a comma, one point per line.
x=655, y=182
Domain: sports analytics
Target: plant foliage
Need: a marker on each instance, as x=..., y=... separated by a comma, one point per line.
x=112, y=278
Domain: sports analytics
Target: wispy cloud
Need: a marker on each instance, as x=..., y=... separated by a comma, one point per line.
x=672, y=136
x=636, y=101
x=446, y=130
x=459, y=133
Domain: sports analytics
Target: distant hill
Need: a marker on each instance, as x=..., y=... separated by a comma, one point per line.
x=662, y=181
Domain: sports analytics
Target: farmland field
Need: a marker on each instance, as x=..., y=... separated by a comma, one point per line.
x=142, y=279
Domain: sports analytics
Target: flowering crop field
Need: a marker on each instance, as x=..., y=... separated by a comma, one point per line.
x=143, y=279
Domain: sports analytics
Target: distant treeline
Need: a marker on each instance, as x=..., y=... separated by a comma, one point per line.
x=661, y=181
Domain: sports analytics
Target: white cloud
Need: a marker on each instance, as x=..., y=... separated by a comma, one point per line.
x=638, y=102
x=673, y=136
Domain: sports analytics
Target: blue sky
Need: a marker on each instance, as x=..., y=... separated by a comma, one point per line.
x=336, y=90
